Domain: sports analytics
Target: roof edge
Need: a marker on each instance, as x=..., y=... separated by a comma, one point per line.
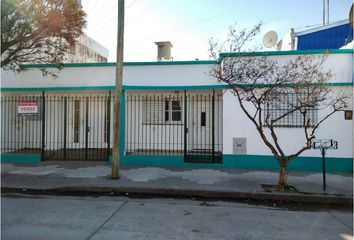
x=291, y=52
x=112, y=64
x=321, y=28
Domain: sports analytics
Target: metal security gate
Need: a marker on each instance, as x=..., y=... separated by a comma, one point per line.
x=178, y=123
x=21, y=131
x=203, y=127
x=77, y=127
x=59, y=127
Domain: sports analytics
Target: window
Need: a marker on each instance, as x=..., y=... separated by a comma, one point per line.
x=283, y=103
x=161, y=112
x=203, y=119
x=175, y=110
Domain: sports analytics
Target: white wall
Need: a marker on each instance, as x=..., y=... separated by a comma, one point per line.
x=150, y=75
x=340, y=64
x=144, y=75
x=237, y=125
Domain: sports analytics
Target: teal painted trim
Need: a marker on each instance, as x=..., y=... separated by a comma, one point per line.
x=341, y=84
x=149, y=88
x=221, y=56
x=307, y=164
x=21, y=158
x=57, y=89
x=281, y=53
x=122, y=126
x=206, y=87
x=248, y=162
x=143, y=160
x=113, y=64
x=196, y=62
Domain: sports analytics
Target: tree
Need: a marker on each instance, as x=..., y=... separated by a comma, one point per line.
x=273, y=94
x=38, y=31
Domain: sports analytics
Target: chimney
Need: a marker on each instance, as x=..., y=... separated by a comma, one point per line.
x=164, y=51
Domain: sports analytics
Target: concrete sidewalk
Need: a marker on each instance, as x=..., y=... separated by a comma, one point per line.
x=94, y=178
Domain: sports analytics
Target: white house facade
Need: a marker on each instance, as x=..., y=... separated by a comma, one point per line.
x=173, y=114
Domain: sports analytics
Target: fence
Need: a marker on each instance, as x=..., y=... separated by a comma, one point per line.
x=79, y=126
x=60, y=127
x=21, y=133
x=177, y=123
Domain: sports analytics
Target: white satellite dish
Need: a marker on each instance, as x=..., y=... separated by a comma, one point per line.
x=270, y=39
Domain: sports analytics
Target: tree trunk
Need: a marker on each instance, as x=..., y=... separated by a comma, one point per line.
x=282, y=177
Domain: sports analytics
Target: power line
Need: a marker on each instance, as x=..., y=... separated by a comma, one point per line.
x=187, y=25
x=103, y=18
x=103, y=21
x=131, y=4
x=144, y=11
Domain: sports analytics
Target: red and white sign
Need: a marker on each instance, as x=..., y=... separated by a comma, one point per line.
x=27, y=108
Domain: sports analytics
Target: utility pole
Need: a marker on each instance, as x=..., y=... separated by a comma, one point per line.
x=118, y=92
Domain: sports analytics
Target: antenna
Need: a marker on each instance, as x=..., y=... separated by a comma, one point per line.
x=270, y=39
x=351, y=17
x=325, y=12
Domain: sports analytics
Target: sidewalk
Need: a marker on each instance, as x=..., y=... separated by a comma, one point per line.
x=94, y=178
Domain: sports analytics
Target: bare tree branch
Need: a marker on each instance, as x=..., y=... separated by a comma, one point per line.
x=270, y=93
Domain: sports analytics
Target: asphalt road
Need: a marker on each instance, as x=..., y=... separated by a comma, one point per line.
x=53, y=217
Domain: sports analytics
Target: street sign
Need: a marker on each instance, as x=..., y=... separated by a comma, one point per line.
x=323, y=145
x=27, y=108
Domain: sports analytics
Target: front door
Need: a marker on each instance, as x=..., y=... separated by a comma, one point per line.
x=202, y=127
x=77, y=127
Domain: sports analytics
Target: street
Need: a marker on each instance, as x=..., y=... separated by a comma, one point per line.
x=64, y=217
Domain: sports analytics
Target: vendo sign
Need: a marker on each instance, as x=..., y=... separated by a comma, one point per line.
x=27, y=108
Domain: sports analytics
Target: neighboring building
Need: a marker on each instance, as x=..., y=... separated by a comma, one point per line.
x=86, y=50
x=331, y=36
x=173, y=114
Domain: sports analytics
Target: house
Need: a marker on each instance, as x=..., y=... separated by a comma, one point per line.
x=331, y=36
x=86, y=50
x=173, y=114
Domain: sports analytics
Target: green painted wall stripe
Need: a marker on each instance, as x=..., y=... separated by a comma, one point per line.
x=113, y=64
x=21, y=158
x=309, y=164
x=149, y=88
x=249, y=162
x=222, y=55
x=175, y=87
x=280, y=53
x=111, y=88
x=57, y=89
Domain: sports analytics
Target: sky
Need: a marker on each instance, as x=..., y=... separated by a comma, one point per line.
x=189, y=24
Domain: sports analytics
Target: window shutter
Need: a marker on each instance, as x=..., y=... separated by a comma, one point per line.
x=153, y=112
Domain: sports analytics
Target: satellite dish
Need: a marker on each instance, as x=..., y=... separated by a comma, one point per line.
x=351, y=17
x=270, y=39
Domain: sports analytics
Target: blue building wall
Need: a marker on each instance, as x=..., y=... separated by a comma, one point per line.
x=332, y=38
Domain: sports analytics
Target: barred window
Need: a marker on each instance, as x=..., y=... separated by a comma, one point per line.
x=162, y=112
x=284, y=103
x=153, y=112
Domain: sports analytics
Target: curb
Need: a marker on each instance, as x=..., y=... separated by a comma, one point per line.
x=186, y=193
